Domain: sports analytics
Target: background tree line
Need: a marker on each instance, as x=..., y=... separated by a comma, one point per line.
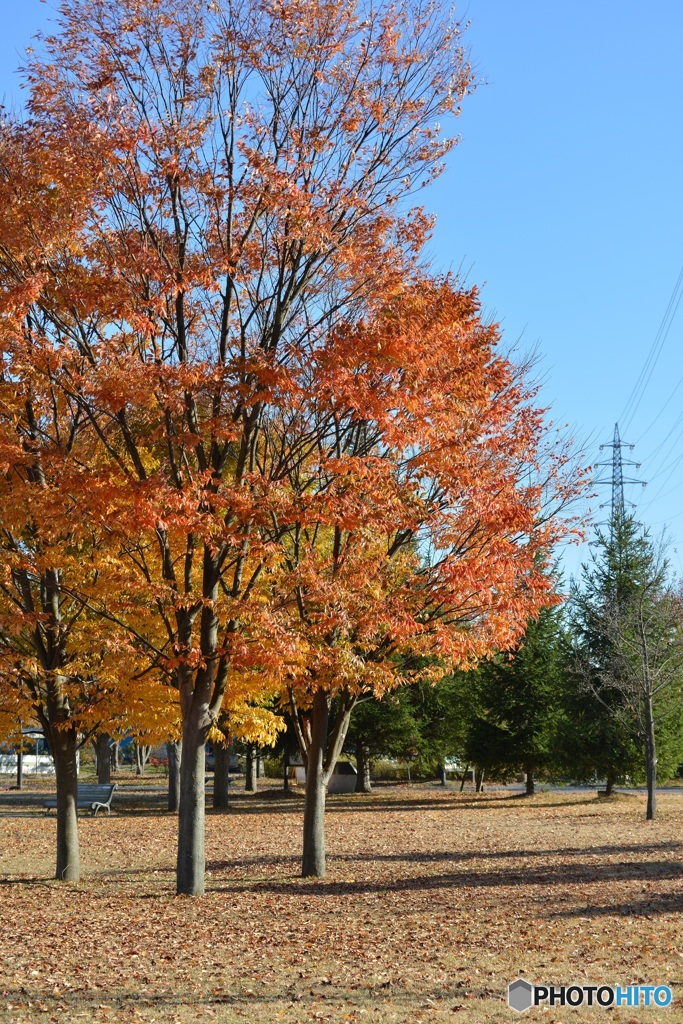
x=592, y=693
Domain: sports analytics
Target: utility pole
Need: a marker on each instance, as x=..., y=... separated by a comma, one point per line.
x=617, y=480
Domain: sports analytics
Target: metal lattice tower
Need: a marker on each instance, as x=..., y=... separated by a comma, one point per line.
x=617, y=480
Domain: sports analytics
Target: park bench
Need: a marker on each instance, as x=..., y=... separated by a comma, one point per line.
x=89, y=795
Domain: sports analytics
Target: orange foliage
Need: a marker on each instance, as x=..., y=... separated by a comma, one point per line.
x=57, y=667
x=416, y=529
x=293, y=456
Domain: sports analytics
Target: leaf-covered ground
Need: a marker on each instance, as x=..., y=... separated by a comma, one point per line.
x=434, y=901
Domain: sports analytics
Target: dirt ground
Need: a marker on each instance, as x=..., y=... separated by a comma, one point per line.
x=433, y=902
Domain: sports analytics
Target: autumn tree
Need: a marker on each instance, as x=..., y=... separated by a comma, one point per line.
x=31, y=654
x=413, y=535
x=242, y=721
x=249, y=164
x=57, y=669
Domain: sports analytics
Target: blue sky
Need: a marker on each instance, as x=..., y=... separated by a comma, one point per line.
x=564, y=202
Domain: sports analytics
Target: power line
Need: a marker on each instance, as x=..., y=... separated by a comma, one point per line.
x=661, y=411
x=658, y=494
x=666, y=494
x=654, y=353
x=663, y=463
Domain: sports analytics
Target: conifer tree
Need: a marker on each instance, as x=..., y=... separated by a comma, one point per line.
x=629, y=644
x=517, y=703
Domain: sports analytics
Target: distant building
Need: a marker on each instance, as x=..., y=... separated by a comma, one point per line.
x=37, y=759
x=342, y=780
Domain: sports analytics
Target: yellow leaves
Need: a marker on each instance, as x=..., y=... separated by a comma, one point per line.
x=253, y=724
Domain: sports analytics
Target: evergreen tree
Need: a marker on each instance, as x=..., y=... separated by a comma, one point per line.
x=628, y=653
x=441, y=712
x=516, y=704
x=381, y=728
x=423, y=724
x=593, y=743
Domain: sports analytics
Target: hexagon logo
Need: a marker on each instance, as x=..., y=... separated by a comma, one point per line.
x=520, y=995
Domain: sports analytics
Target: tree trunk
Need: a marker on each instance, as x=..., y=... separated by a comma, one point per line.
x=103, y=759
x=610, y=782
x=20, y=768
x=464, y=777
x=363, y=784
x=479, y=780
x=115, y=756
x=142, y=752
x=250, y=784
x=285, y=770
x=221, y=776
x=651, y=756
x=313, y=863
x=259, y=765
x=191, y=813
x=64, y=746
x=530, y=781
x=201, y=694
x=173, y=750
x=441, y=774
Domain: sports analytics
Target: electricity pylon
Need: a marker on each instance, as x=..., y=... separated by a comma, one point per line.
x=617, y=462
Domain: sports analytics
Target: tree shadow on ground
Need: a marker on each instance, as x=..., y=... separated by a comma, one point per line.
x=561, y=875
x=434, y=857
x=342, y=804
x=648, y=906
x=120, y=999
x=49, y=881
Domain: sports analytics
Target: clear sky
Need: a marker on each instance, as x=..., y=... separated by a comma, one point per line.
x=564, y=201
